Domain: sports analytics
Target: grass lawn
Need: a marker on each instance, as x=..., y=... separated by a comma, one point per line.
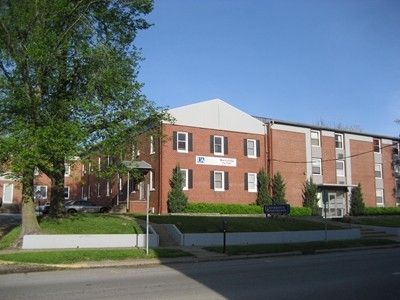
x=118, y=224
x=213, y=224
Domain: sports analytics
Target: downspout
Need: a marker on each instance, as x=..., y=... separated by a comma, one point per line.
x=270, y=169
x=160, y=164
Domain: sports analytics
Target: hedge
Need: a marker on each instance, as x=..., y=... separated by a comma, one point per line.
x=238, y=209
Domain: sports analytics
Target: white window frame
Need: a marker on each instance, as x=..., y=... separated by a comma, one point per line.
x=67, y=190
x=152, y=145
x=378, y=171
x=67, y=172
x=338, y=141
x=98, y=186
x=316, y=163
x=379, y=145
x=252, y=182
x=99, y=164
x=151, y=175
x=315, y=140
x=217, y=187
x=380, y=201
x=251, y=149
x=185, y=184
x=42, y=189
x=220, y=144
x=184, y=149
x=340, y=172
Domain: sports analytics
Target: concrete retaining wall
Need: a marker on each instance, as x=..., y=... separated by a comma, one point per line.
x=73, y=241
x=237, y=238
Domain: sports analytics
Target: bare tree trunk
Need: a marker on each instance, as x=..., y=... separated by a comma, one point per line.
x=57, y=206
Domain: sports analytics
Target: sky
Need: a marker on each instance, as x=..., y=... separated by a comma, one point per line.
x=317, y=62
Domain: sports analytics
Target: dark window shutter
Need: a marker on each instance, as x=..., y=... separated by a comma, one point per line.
x=211, y=144
x=190, y=179
x=246, y=182
x=212, y=180
x=226, y=178
x=190, y=142
x=258, y=148
x=245, y=147
x=174, y=140
x=225, y=145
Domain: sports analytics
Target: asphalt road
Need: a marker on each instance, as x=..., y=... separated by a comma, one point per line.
x=367, y=274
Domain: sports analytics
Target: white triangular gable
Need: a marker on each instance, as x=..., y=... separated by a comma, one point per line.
x=216, y=114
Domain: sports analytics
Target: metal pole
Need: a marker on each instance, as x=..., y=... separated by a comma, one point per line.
x=326, y=225
x=127, y=193
x=147, y=218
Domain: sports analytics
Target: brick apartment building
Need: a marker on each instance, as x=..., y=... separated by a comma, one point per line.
x=220, y=150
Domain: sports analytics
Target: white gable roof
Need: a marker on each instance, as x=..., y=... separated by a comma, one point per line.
x=216, y=114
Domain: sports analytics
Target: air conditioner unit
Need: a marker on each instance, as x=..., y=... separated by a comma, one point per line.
x=340, y=156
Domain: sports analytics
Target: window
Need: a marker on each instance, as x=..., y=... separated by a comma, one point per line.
x=219, y=180
x=251, y=182
x=379, y=197
x=67, y=170
x=185, y=177
x=135, y=152
x=99, y=164
x=338, y=141
x=40, y=192
x=316, y=166
x=152, y=180
x=315, y=138
x=340, y=168
x=98, y=189
x=378, y=171
x=152, y=151
x=218, y=145
x=182, y=141
x=66, y=192
x=395, y=148
x=251, y=148
x=377, y=145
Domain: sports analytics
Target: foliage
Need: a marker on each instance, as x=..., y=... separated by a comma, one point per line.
x=237, y=209
x=177, y=199
x=381, y=211
x=278, y=189
x=263, y=182
x=213, y=224
x=357, y=205
x=310, y=196
x=222, y=208
x=80, y=255
x=68, y=81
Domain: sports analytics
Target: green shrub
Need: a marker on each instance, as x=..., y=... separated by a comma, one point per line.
x=379, y=211
x=238, y=209
x=300, y=211
x=225, y=209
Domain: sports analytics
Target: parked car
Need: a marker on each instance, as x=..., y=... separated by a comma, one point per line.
x=84, y=206
x=46, y=208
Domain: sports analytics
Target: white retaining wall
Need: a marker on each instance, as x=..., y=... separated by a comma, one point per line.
x=74, y=241
x=245, y=238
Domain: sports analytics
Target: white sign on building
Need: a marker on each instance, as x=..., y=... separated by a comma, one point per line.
x=216, y=161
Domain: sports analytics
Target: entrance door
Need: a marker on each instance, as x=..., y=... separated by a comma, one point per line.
x=335, y=205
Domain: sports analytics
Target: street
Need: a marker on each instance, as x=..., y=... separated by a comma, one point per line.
x=367, y=274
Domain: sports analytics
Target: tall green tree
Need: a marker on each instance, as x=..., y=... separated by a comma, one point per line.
x=310, y=196
x=69, y=86
x=177, y=199
x=263, y=181
x=278, y=189
x=357, y=205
